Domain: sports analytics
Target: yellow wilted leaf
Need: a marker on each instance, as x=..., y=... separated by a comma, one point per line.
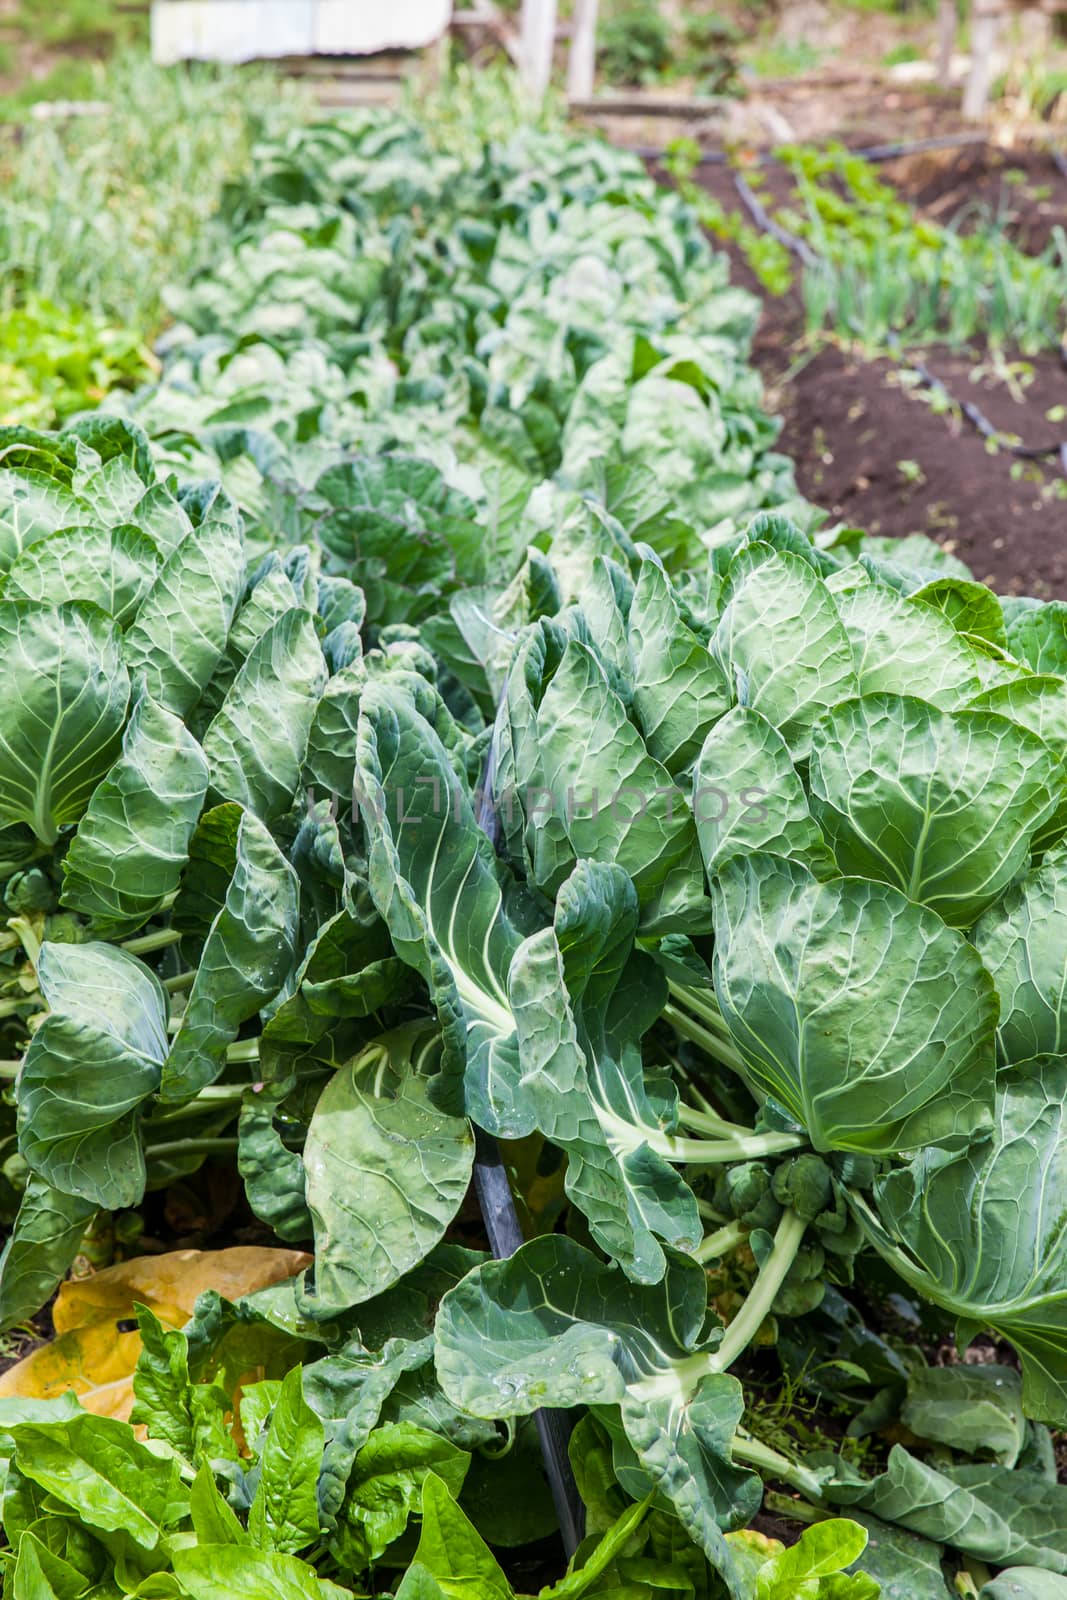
x=94, y=1358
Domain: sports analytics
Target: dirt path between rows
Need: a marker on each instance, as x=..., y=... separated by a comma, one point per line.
x=867, y=443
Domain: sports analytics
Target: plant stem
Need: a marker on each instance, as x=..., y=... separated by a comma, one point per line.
x=756, y=1454
x=190, y=1147
x=708, y=1122
x=741, y=1146
x=786, y=1505
x=720, y=1243
x=209, y=1101
x=707, y=1010
x=10, y=1069
x=145, y=943
x=26, y=936
x=718, y=1127
x=709, y=1042
x=181, y=980
x=9, y=1008
x=243, y=1050
x=745, y=1326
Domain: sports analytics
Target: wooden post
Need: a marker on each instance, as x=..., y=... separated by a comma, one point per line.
x=946, y=38
x=581, y=63
x=537, y=38
x=985, y=21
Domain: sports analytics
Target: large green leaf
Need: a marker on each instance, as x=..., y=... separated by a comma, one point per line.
x=32, y=506
x=247, y=954
x=747, y=796
x=61, y=714
x=110, y=567
x=284, y=1514
x=776, y=596
x=907, y=1566
x=221, y=1571
x=899, y=646
x=128, y=853
x=40, y=1248
x=942, y=804
x=386, y=1485
x=386, y=1171
x=581, y=1082
x=589, y=787
x=504, y=1004
x=435, y=882
x=984, y=1233
x=976, y=1410
x=255, y=745
x=179, y=633
x=109, y=1480
x=1023, y=943
x=988, y=1512
x=857, y=1010
x=90, y=1066
x=678, y=688
x=1025, y=1583
x=451, y=1560
x=555, y=1326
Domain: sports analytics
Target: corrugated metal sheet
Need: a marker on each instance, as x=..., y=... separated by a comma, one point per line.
x=245, y=30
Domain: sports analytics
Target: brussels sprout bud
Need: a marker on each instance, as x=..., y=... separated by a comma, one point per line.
x=745, y=1193
x=805, y=1184
x=16, y=1172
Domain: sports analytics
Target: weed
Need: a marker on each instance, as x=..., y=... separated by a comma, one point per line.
x=634, y=44
x=101, y=212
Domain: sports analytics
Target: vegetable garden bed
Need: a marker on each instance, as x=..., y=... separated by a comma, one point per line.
x=432, y=711
x=884, y=454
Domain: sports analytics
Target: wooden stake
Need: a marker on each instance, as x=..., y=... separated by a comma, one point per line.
x=946, y=38
x=581, y=63
x=537, y=38
x=985, y=21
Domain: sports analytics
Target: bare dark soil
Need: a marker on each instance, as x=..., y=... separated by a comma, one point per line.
x=868, y=444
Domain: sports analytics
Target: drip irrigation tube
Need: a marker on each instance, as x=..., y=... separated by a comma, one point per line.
x=553, y=1427
x=869, y=152
x=929, y=380
x=497, y=1206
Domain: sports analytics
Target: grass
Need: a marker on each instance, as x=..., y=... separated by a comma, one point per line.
x=780, y=60
x=100, y=212
x=108, y=23
x=894, y=8
x=72, y=78
x=901, y=54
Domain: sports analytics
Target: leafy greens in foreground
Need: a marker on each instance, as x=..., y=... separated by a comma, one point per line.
x=436, y=716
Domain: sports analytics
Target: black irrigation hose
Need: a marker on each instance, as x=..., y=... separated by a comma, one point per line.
x=870, y=152
x=974, y=414
x=759, y=213
x=497, y=1205
x=553, y=1427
